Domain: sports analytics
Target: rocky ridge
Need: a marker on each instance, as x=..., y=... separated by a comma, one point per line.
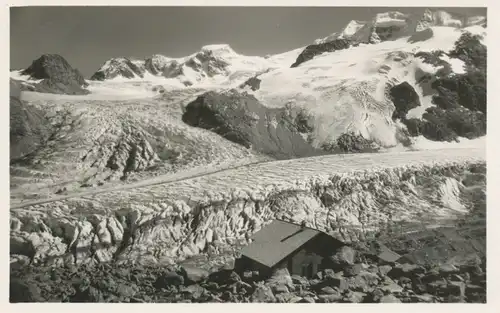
x=54, y=75
x=211, y=61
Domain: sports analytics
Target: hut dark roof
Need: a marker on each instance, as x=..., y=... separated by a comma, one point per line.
x=276, y=241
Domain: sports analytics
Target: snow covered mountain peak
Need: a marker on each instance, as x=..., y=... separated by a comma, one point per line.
x=391, y=18
x=215, y=63
x=218, y=49
x=120, y=67
x=393, y=24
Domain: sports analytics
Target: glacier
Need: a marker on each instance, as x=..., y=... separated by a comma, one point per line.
x=351, y=197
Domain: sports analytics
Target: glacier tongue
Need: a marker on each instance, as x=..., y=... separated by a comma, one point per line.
x=350, y=197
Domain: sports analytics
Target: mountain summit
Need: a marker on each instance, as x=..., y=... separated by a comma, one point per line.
x=392, y=25
x=213, y=63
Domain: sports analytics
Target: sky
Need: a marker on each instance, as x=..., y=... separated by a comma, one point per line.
x=88, y=36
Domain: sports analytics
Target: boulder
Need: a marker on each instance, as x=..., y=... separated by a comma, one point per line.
x=307, y=300
x=390, y=286
x=328, y=290
x=328, y=273
x=364, y=282
x=389, y=299
x=338, y=282
x=263, y=293
x=277, y=289
x=343, y=257
x=448, y=269
x=287, y=298
x=384, y=270
x=456, y=277
x=224, y=277
x=426, y=298
x=455, y=288
x=280, y=277
x=127, y=291
x=87, y=294
x=23, y=291
x=405, y=270
x=193, y=275
x=330, y=298
x=168, y=279
x=353, y=270
x=437, y=286
x=354, y=297
x=194, y=292
x=375, y=295
x=299, y=280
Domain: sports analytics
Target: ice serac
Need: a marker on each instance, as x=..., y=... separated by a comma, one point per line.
x=164, y=223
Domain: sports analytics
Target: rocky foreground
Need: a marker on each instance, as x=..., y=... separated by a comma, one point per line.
x=358, y=278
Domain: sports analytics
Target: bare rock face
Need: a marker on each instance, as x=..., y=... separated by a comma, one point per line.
x=350, y=143
x=57, y=74
x=404, y=98
x=253, y=83
x=241, y=118
x=314, y=50
x=460, y=98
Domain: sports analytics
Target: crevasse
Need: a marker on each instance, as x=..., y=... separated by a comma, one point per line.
x=149, y=226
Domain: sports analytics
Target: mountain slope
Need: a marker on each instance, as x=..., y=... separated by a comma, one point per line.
x=51, y=73
x=348, y=90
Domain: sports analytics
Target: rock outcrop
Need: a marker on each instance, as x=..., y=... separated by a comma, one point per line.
x=313, y=50
x=241, y=118
x=404, y=98
x=459, y=98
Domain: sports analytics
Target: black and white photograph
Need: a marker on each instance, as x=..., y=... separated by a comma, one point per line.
x=248, y=154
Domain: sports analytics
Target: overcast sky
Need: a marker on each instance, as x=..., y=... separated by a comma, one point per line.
x=88, y=36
